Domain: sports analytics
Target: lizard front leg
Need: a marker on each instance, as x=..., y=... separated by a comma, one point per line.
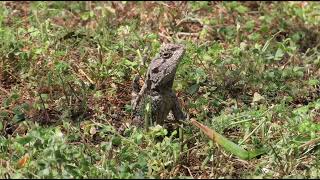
x=137, y=100
x=145, y=87
x=176, y=108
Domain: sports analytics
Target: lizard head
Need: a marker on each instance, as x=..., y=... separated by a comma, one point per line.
x=172, y=52
x=162, y=69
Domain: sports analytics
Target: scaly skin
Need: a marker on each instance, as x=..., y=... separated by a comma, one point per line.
x=159, y=82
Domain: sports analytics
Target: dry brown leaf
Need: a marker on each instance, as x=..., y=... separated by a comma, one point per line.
x=23, y=161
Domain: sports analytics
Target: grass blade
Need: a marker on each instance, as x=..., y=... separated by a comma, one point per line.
x=226, y=143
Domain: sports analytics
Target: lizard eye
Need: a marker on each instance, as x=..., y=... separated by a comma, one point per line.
x=173, y=49
x=167, y=55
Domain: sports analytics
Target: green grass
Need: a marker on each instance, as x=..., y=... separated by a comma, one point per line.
x=251, y=72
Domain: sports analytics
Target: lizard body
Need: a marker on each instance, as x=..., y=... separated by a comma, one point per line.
x=158, y=84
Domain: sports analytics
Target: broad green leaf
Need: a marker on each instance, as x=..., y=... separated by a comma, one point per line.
x=193, y=89
x=24, y=140
x=241, y=9
x=313, y=82
x=279, y=54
